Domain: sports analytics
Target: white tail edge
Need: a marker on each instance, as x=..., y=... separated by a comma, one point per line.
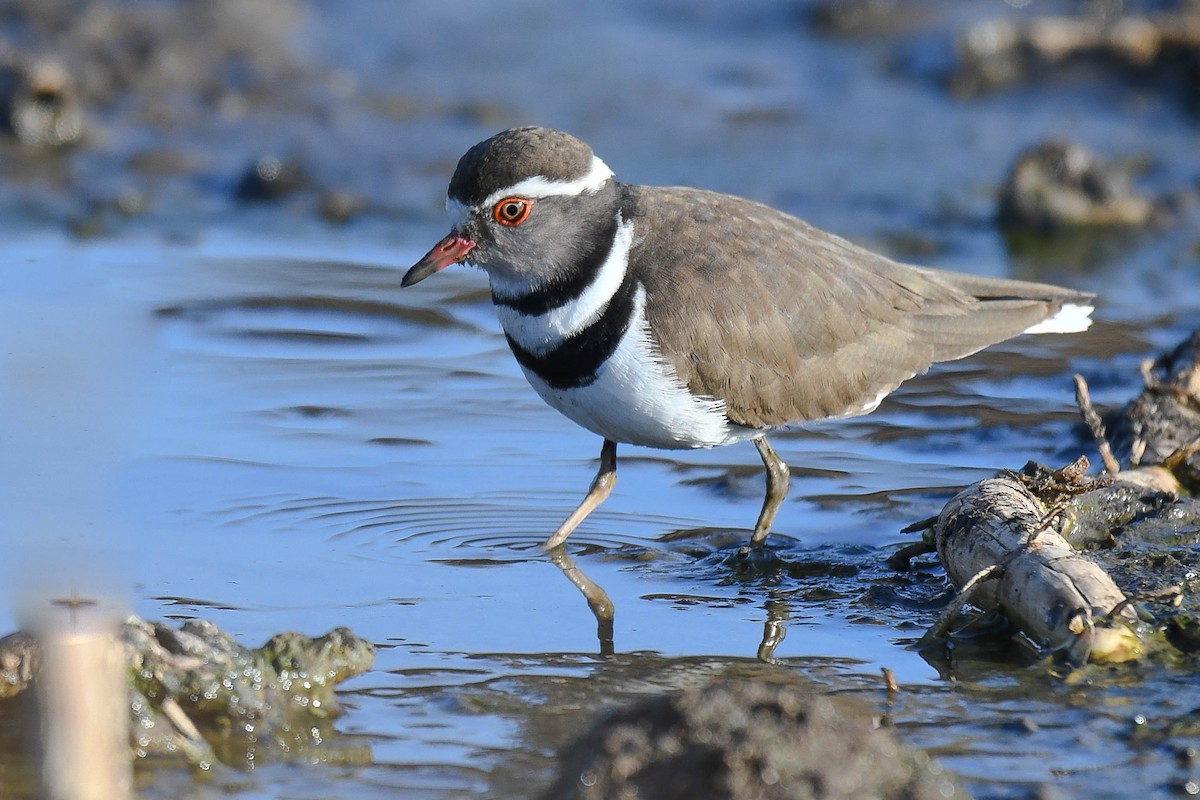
x=1071, y=318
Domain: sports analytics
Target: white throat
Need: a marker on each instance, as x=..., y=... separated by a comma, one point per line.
x=638, y=398
x=541, y=333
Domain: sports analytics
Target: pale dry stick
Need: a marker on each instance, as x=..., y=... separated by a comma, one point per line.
x=998, y=529
x=963, y=597
x=183, y=723
x=1083, y=399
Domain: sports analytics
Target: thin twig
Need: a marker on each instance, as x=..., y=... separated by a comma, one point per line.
x=182, y=722
x=901, y=560
x=1169, y=595
x=938, y=629
x=889, y=683
x=1055, y=512
x=1084, y=400
x=922, y=525
x=1181, y=454
x=1146, y=367
x=1136, y=450
x=1179, y=393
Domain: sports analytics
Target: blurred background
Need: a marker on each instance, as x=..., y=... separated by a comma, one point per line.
x=216, y=403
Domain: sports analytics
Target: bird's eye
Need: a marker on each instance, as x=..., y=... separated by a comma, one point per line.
x=512, y=210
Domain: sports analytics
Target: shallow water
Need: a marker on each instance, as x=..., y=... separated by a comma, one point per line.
x=240, y=416
x=276, y=436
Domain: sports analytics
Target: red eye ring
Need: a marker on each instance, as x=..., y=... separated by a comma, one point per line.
x=512, y=211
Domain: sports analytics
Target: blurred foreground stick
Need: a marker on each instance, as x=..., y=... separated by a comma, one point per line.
x=82, y=699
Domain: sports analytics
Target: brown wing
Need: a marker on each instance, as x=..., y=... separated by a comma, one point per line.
x=790, y=323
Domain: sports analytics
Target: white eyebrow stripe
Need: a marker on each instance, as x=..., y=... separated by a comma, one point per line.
x=541, y=186
x=536, y=187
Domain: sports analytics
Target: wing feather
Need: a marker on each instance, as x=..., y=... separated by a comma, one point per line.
x=786, y=323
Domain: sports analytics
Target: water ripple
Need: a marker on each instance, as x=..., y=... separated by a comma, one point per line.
x=492, y=523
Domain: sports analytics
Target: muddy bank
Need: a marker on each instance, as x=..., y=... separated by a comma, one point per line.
x=114, y=111
x=1148, y=43
x=176, y=114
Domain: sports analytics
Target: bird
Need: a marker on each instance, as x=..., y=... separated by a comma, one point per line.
x=680, y=318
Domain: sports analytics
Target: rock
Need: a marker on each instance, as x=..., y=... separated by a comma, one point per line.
x=733, y=740
x=1058, y=185
x=1161, y=426
x=339, y=206
x=194, y=691
x=41, y=105
x=1154, y=49
x=20, y=658
x=271, y=178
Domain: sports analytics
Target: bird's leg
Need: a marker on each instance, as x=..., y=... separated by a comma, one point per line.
x=777, y=487
x=602, y=486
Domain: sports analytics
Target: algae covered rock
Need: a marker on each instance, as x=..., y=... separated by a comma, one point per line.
x=195, y=691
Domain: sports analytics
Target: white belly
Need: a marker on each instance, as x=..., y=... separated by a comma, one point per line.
x=637, y=398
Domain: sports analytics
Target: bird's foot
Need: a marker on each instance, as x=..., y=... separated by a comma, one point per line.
x=754, y=556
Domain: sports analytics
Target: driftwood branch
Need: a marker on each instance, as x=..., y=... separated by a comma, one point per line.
x=1008, y=542
x=1000, y=543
